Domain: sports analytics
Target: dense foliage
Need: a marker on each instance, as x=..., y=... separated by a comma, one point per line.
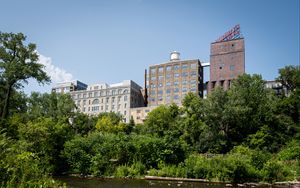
x=244, y=134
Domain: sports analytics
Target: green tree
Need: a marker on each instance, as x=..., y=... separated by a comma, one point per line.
x=54, y=105
x=289, y=77
x=162, y=119
x=18, y=62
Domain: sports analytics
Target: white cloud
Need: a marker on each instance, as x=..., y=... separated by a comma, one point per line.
x=57, y=74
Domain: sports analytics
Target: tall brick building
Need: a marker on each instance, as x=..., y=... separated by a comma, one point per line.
x=227, y=59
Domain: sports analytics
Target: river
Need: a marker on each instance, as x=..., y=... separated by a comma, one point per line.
x=77, y=182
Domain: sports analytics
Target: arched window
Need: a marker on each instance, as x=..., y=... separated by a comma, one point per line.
x=95, y=101
x=125, y=91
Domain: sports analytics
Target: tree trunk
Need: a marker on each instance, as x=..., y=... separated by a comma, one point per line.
x=6, y=102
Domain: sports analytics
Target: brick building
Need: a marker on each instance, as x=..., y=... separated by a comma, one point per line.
x=169, y=82
x=227, y=59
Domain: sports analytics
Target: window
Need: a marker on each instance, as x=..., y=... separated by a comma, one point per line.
x=125, y=112
x=176, y=83
x=84, y=102
x=84, y=95
x=152, y=92
x=168, y=76
x=101, y=107
x=96, y=94
x=95, y=108
x=184, y=66
x=119, y=98
x=113, y=107
x=160, y=69
x=120, y=91
x=125, y=91
x=160, y=85
x=176, y=67
x=193, y=81
x=125, y=98
x=168, y=98
x=113, y=92
x=184, y=74
x=193, y=89
x=107, y=99
x=168, y=84
x=176, y=90
x=102, y=100
x=184, y=82
x=160, y=92
x=90, y=94
x=96, y=87
x=184, y=89
x=169, y=68
x=160, y=77
x=232, y=67
x=153, y=70
x=95, y=101
x=106, y=107
x=168, y=91
x=193, y=66
x=153, y=78
x=176, y=97
x=176, y=75
x=160, y=98
x=113, y=99
x=78, y=96
x=193, y=74
x=153, y=86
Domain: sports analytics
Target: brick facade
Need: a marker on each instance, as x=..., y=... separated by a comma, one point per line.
x=227, y=62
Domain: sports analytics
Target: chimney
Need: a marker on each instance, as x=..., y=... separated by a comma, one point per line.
x=145, y=90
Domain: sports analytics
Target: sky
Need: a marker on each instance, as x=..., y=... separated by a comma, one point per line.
x=98, y=41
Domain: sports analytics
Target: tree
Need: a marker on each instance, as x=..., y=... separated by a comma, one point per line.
x=289, y=77
x=18, y=62
x=55, y=105
x=162, y=120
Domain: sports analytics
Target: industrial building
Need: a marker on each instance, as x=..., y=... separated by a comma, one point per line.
x=227, y=59
x=169, y=82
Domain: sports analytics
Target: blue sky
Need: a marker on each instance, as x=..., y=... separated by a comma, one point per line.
x=113, y=40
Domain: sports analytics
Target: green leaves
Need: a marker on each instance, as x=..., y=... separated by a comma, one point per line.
x=18, y=62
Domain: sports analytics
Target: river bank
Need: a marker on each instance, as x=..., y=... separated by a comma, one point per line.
x=77, y=180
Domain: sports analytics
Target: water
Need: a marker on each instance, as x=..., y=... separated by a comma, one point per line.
x=78, y=182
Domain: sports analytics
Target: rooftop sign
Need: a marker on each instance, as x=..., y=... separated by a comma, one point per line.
x=234, y=33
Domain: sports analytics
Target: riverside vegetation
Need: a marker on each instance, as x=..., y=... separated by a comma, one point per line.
x=244, y=134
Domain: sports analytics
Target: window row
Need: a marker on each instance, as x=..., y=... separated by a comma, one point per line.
x=175, y=75
x=175, y=83
x=175, y=90
x=101, y=108
x=99, y=93
x=106, y=100
x=173, y=67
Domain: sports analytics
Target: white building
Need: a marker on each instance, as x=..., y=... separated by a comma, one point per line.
x=66, y=87
x=118, y=98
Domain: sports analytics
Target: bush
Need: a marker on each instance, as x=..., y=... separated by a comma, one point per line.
x=275, y=171
x=291, y=151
